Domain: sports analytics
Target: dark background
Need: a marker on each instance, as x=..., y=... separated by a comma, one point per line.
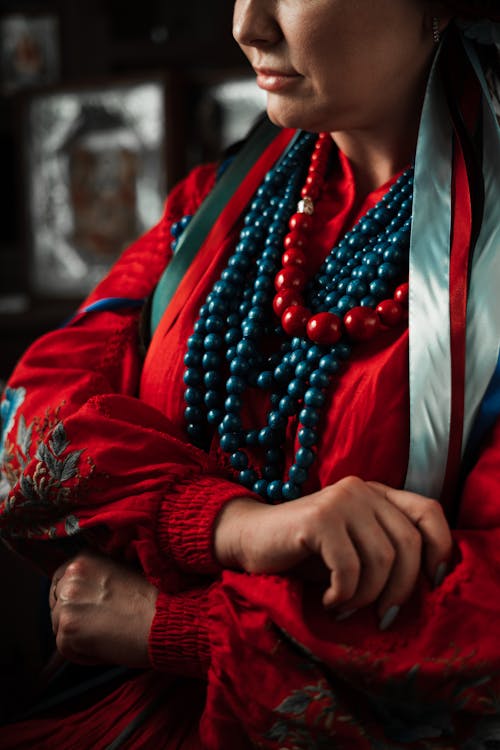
x=99, y=40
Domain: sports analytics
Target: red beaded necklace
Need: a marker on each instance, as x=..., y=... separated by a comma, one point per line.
x=360, y=323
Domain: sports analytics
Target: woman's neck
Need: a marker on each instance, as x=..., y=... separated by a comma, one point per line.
x=380, y=151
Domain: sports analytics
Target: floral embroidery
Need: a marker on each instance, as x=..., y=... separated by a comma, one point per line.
x=43, y=490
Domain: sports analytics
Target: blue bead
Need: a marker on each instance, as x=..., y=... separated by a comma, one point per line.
x=200, y=326
x=395, y=255
x=248, y=477
x=283, y=373
x=379, y=289
x=195, y=342
x=251, y=329
x=296, y=357
x=193, y=414
x=297, y=388
x=212, y=399
x=369, y=301
x=357, y=289
x=214, y=324
x=314, y=397
x=305, y=457
x=217, y=307
x=276, y=420
x=193, y=396
x=256, y=313
x=232, y=277
x=260, y=488
x=288, y=406
x=215, y=416
x=366, y=273
x=232, y=336
x=252, y=437
x=239, y=366
x=233, y=403
x=265, y=380
x=309, y=417
x=231, y=354
x=342, y=351
x=263, y=283
x=213, y=342
x=307, y=437
x=275, y=490
x=388, y=271
x=239, y=460
x=192, y=377
x=319, y=379
x=235, y=384
x=211, y=361
x=371, y=259
x=192, y=359
x=346, y=303
x=246, y=348
x=259, y=298
x=267, y=437
x=314, y=353
x=298, y=474
x=303, y=369
x=231, y=423
x=230, y=442
x=329, y=363
x=291, y=491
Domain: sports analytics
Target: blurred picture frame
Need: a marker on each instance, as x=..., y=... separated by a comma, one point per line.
x=95, y=174
x=29, y=51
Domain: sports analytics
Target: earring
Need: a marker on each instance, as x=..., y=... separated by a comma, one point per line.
x=436, y=33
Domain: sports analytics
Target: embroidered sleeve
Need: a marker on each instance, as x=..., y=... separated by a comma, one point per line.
x=72, y=426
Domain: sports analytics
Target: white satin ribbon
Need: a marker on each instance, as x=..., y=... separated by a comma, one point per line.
x=430, y=355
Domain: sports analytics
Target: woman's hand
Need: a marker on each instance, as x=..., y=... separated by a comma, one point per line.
x=102, y=612
x=372, y=539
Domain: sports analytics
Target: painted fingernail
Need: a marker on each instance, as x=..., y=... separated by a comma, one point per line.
x=442, y=570
x=389, y=617
x=345, y=615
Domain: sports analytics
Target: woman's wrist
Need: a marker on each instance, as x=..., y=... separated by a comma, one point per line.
x=229, y=531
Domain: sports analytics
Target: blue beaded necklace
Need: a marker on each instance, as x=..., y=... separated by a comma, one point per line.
x=225, y=354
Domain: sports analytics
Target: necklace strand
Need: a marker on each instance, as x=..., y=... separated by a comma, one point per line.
x=319, y=318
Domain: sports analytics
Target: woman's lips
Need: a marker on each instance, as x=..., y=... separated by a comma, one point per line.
x=274, y=80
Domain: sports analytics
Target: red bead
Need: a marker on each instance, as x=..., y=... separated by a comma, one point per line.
x=290, y=278
x=294, y=239
x=294, y=257
x=390, y=312
x=361, y=323
x=294, y=320
x=302, y=222
x=284, y=299
x=401, y=294
x=324, y=328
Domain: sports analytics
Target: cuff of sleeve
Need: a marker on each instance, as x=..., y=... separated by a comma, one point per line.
x=186, y=522
x=178, y=640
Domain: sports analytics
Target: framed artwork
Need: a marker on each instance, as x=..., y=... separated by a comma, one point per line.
x=95, y=177
x=29, y=51
x=227, y=108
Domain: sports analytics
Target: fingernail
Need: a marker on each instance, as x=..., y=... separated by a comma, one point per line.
x=389, y=617
x=345, y=615
x=442, y=570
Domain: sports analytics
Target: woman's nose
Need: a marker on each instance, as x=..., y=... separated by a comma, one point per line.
x=254, y=23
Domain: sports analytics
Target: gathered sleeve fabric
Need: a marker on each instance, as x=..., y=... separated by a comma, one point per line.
x=84, y=459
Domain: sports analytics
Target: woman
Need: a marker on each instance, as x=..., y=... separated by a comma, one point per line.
x=282, y=370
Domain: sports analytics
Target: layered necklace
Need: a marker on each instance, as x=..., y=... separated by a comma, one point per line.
x=268, y=324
